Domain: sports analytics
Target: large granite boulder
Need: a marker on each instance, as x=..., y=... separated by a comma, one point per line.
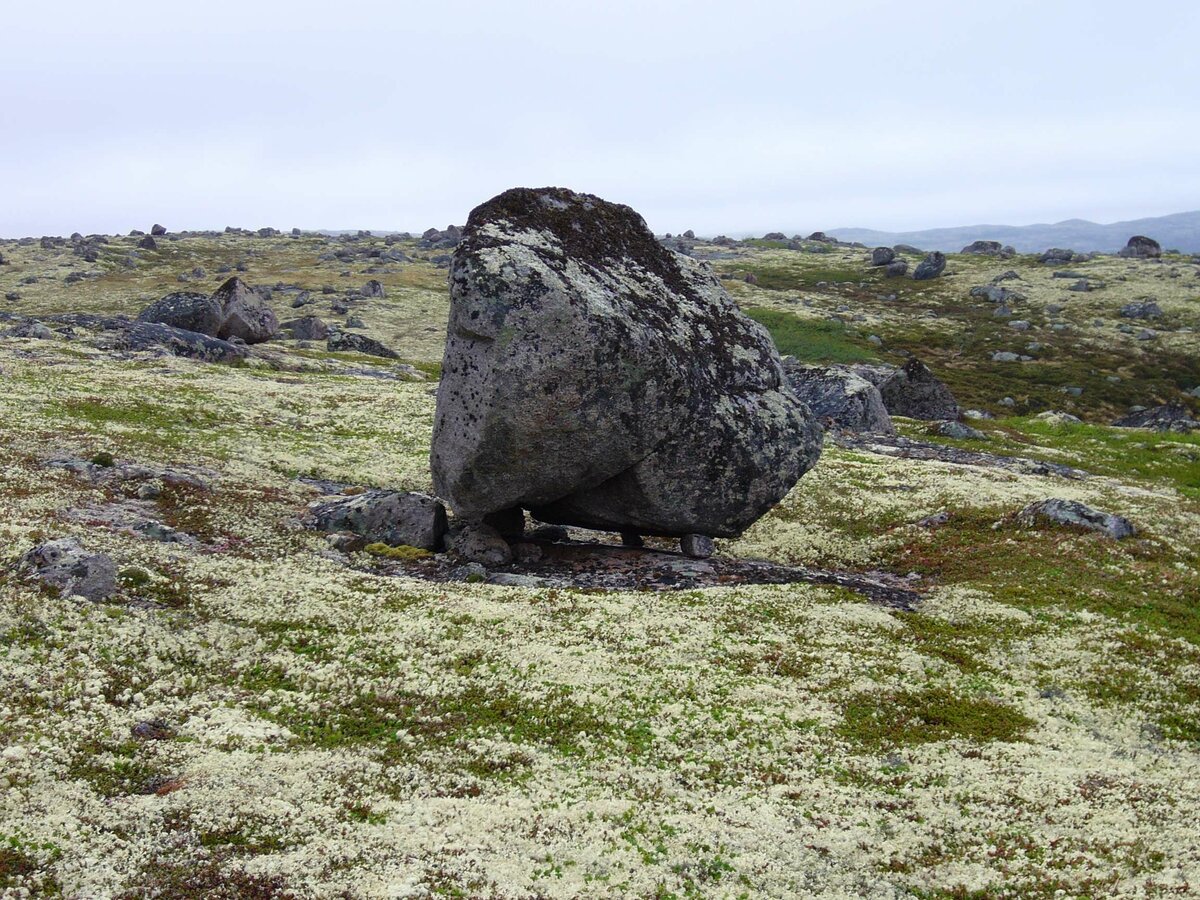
x=601, y=380
x=246, y=315
x=911, y=390
x=839, y=398
x=187, y=310
x=881, y=256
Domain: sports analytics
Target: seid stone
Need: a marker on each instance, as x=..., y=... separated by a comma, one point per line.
x=599, y=379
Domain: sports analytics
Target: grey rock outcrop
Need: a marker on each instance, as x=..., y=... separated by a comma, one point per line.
x=930, y=267
x=911, y=390
x=599, y=379
x=390, y=517
x=64, y=564
x=1076, y=514
x=839, y=398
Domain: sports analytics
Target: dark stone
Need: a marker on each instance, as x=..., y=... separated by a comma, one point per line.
x=881, y=256
x=307, y=328
x=147, y=243
x=599, y=379
x=839, y=397
x=896, y=268
x=1141, y=309
x=911, y=390
x=348, y=342
x=983, y=248
x=1141, y=247
x=1167, y=417
x=158, y=230
x=187, y=310
x=372, y=289
x=930, y=267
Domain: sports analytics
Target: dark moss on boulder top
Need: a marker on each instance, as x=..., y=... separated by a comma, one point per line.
x=590, y=231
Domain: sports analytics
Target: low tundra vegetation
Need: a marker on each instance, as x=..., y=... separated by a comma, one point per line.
x=252, y=715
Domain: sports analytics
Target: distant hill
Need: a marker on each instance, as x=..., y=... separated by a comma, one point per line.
x=1179, y=231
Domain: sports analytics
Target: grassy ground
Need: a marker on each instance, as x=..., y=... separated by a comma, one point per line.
x=330, y=732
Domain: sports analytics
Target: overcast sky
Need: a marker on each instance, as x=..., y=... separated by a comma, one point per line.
x=722, y=117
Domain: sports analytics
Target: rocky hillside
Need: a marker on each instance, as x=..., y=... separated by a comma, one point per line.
x=959, y=659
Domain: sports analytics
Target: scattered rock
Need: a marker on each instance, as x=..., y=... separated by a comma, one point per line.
x=1145, y=308
x=1167, y=417
x=934, y=521
x=1056, y=256
x=147, y=243
x=373, y=289
x=349, y=342
x=1074, y=513
x=306, y=328
x=881, y=256
x=958, y=431
x=896, y=268
x=911, y=390
x=1056, y=417
x=1083, y=286
x=983, y=248
x=64, y=564
x=611, y=384
x=477, y=542
x=158, y=230
x=839, y=397
x=390, y=517
x=696, y=546
x=930, y=267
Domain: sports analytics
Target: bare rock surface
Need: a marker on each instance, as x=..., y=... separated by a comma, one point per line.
x=1076, y=514
x=1167, y=417
x=601, y=380
x=65, y=564
x=573, y=564
x=908, y=448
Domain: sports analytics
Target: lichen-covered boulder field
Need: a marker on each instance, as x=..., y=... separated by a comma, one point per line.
x=246, y=706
